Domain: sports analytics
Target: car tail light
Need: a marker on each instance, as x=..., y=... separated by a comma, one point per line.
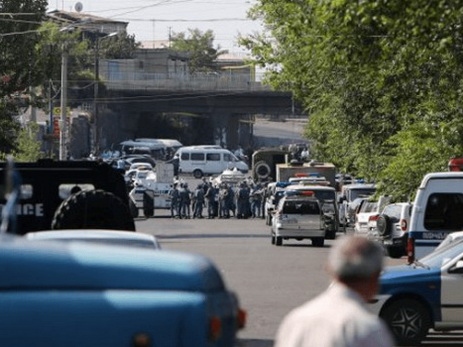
x=141, y=340
x=373, y=218
x=410, y=250
x=241, y=318
x=403, y=225
x=215, y=328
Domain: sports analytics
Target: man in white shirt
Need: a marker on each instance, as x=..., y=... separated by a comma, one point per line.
x=338, y=317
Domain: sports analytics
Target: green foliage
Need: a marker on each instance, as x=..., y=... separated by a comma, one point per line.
x=200, y=46
x=380, y=80
x=121, y=46
x=53, y=43
x=17, y=61
x=28, y=144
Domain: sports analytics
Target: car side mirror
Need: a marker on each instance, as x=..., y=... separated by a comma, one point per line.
x=458, y=268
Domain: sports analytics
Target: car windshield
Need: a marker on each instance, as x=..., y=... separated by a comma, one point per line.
x=369, y=207
x=440, y=257
x=361, y=193
x=318, y=193
x=328, y=208
x=301, y=207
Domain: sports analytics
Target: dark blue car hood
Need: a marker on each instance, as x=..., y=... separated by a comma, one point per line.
x=44, y=265
x=408, y=278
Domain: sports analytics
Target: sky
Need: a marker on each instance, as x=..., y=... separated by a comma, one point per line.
x=154, y=19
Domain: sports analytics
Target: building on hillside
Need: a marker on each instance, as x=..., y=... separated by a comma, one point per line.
x=87, y=22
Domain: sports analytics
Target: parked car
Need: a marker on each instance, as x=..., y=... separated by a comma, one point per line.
x=298, y=218
x=109, y=237
x=365, y=210
x=350, y=197
x=367, y=214
x=423, y=295
x=392, y=228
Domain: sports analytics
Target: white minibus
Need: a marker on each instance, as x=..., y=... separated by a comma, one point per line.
x=207, y=160
x=171, y=145
x=156, y=150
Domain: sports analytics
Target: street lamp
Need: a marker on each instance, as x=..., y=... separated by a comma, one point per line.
x=96, y=135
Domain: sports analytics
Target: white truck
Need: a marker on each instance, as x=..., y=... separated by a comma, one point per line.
x=286, y=170
x=152, y=188
x=437, y=211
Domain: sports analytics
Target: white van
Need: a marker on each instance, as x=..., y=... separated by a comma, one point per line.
x=201, y=160
x=171, y=145
x=437, y=211
x=156, y=150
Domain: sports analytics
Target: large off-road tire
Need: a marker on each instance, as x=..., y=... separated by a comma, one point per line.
x=408, y=320
x=384, y=225
x=93, y=209
x=262, y=170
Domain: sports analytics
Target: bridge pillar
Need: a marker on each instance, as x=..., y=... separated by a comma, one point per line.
x=232, y=130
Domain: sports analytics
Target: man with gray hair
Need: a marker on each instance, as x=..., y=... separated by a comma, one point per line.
x=338, y=317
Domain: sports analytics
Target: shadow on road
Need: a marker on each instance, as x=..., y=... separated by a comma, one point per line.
x=209, y=236
x=254, y=343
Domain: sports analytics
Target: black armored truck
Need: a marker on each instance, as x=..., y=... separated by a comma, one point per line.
x=69, y=195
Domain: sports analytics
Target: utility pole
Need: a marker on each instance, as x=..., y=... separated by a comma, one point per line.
x=96, y=137
x=96, y=128
x=63, y=125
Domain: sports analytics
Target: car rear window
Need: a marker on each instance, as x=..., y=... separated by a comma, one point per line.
x=301, y=207
x=392, y=211
x=369, y=207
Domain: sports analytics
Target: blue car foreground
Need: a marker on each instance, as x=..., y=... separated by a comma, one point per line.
x=426, y=294
x=82, y=294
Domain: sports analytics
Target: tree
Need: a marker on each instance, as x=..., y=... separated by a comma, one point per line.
x=121, y=46
x=373, y=77
x=28, y=144
x=17, y=39
x=203, y=55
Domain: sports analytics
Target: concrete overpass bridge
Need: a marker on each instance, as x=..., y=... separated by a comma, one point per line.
x=196, y=109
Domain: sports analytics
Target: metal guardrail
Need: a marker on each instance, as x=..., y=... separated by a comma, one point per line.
x=131, y=80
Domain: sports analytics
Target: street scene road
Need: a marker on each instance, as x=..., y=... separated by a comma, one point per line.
x=269, y=280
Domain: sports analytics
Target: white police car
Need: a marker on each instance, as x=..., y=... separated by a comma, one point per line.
x=426, y=294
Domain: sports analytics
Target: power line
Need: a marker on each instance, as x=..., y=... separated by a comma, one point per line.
x=17, y=14
x=19, y=21
x=169, y=2
x=188, y=20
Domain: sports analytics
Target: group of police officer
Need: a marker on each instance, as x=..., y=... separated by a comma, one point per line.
x=221, y=200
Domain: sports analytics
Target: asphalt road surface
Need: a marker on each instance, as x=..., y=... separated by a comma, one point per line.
x=269, y=280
